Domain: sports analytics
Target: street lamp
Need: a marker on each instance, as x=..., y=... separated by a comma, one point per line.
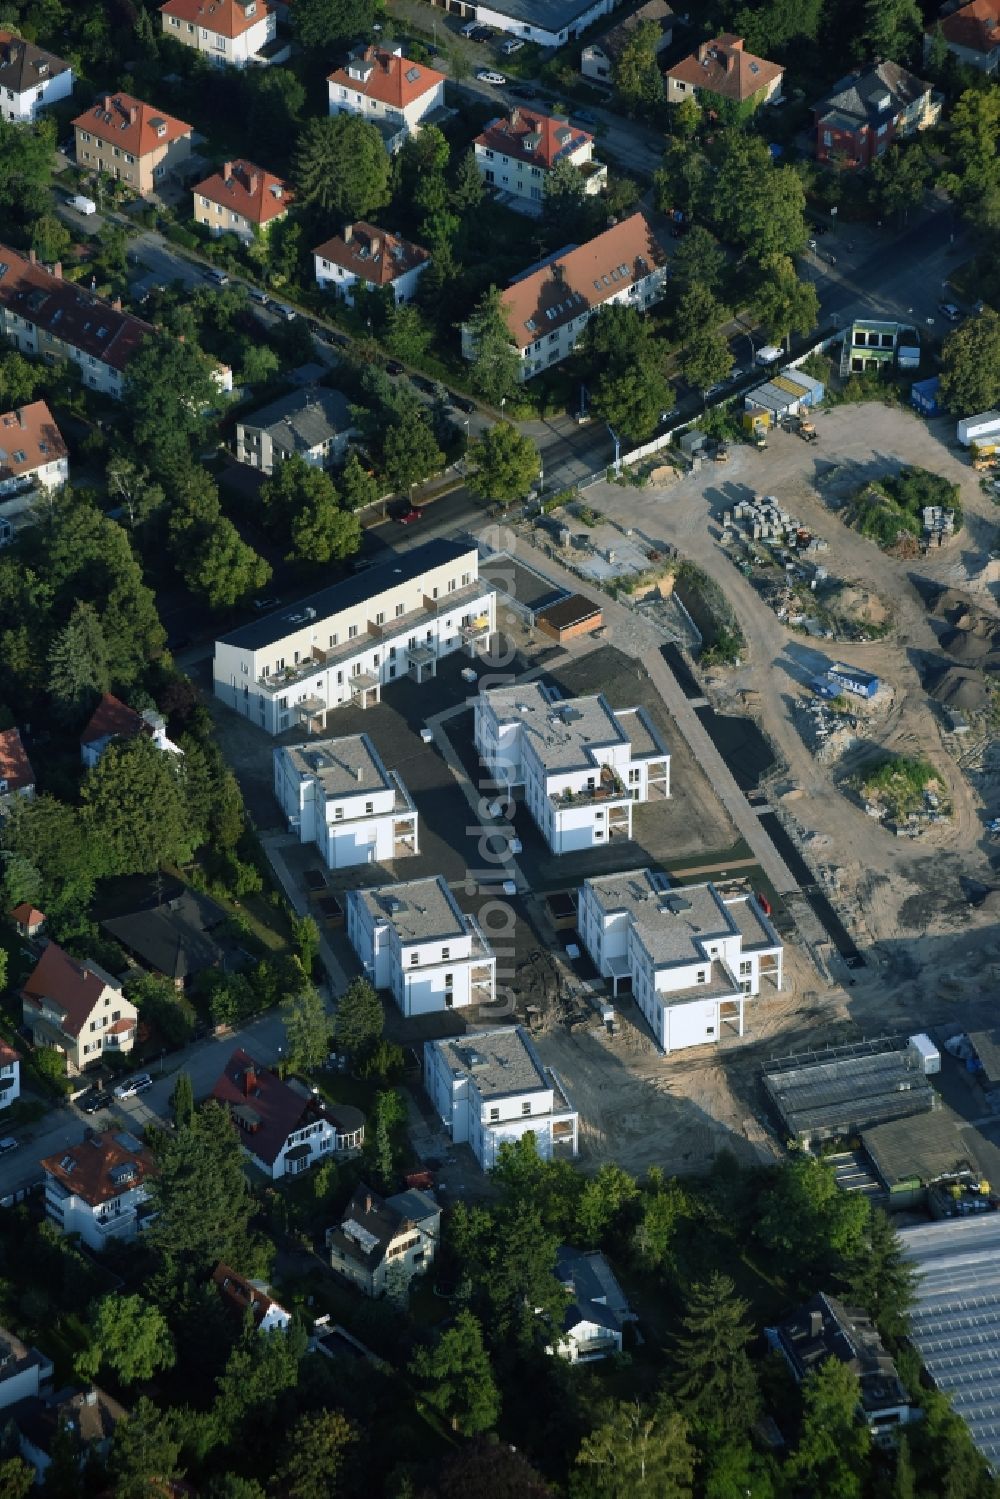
x=503, y=402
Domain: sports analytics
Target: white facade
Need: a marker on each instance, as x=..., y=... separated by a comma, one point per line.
x=551, y=35
x=338, y=794
x=223, y=50
x=303, y=1148
x=692, y=957
x=47, y=87
x=49, y=475
x=343, y=644
x=583, y=765
x=376, y=87
x=521, y=180
x=414, y=940
x=96, y=1223
x=489, y=1087
x=330, y=276
x=10, y=1076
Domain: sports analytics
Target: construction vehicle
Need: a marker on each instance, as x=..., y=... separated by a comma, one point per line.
x=721, y=454
x=807, y=431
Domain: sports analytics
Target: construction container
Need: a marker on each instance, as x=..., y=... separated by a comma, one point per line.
x=926, y=1052
x=979, y=428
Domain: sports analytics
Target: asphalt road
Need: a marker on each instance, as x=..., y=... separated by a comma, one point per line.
x=203, y=1061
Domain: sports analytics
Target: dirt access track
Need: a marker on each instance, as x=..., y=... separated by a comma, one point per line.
x=906, y=899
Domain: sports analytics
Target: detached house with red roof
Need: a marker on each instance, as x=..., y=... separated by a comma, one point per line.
x=76, y=1007
x=112, y=719
x=99, y=1189
x=33, y=454
x=366, y=256
x=133, y=141
x=30, y=78
x=241, y=1295
x=17, y=779
x=971, y=33
x=283, y=1127
x=48, y=318
x=516, y=152
x=242, y=199
x=549, y=305
x=387, y=90
x=722, y=72
x=230, y=33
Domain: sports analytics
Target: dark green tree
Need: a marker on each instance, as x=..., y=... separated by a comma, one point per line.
x=900, y=176
x=17, y=1478
x=169, y=391
x=307, y=1028
x=490, y=1470
x=525, y=1304
x=201, y=1198
x=322, y=24
x=970, y=364
x=758, y=207
x=78, y=662
x=714, y=1381
x=569, y=214
x=831, y=1459
x=56, y=840
x=890, y=28
x=881, y=1279
x=455, y=1379
x=358, y=488
x=27, y=154
x=259, y=1370
x=182, y=1101
x=973, y=175
x=784, y=304
x=209, y=553
x=135, y=804
x=904, y=1483
x=697, y=259
x=805, y=1216
x=664, y=1204
x=317, y=1449
x=468, y=189
x=407, y=334
x=496, y=363
x=129, y=1336
x=359, y=1020
x=342, y=167
x=411, y=454
x=145, y=1451
x=636, y=72
x=507, y=464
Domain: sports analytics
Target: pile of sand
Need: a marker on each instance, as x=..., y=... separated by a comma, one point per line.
x=960, y=689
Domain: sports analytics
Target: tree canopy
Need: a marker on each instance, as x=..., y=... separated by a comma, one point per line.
x=342, y=168
x=507, y=464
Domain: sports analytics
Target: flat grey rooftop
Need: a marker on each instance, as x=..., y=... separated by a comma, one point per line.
x=417, y=910
x=500, y=1062
x=342, y=767
x=528, y=587
x=672, y=925
x=955, y=1321
x=754, y=926
x=562, y=732
x=927, y=1146
x=845, y=1093
x=641, y=731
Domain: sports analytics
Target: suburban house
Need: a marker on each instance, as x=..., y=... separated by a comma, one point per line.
x=175, y=937
x=599, y=58
x=338, y=794
x=372, y=258
x=48, y=318
x=10, y=1075
x=133, y=141
x=74, y=1006
x=548, y=306
x=971, y=33
x=549, y=25
x=32, y=452
x=241, y=199
x=17, y=779
x=387, y=90
x=30, y=78
x=89, y=1417
x=865, y=112
x=826, y=1328
x=313, y=424
x=381, y=1239
x=516, y=152
x=691, y=957
x=582, y=763
x=416, y=941
x=283, y=1127
x=112, y=719
x=230, y=33
x=722, y=73
x=489, y=1087
x=296, y=666
x=597, y=1308
x=242, y=1296
x=23, y=1370
x=99, y=1189
x=27, y=919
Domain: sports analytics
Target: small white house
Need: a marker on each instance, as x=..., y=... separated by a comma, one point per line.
x=387, y=90
x=488, y=1087
x=99, y=1189
x=112, y=720
x=243, y=1295
x=551, y=25
x=597, y=1308
x=517, y=151
x=338, y=794
x=313, y=424
x=33, y=454
x=582, y=763
x=10, y=1075
x=690, y=957
x=372, y=258
x=30, y=78
x=415, y=940
x=24, y=1372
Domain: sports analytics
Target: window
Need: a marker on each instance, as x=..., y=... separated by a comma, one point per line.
x=745, y=968
x=369, y=808
x=352, y=632
x=526, y=1106
x=466, y=579
x=400, y=609
x=702, y=976
x=445, y=954
x=827, y=138
x=414, y=959
x=338, y=814
x=333, y=640
x=380, y=617
x=494, y=1115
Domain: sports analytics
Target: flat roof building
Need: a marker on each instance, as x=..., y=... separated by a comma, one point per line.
x=294, y=667
x=489, y=1087
x=338, y=794
x=847, y=1089
x=415, y=940
x=691, y=957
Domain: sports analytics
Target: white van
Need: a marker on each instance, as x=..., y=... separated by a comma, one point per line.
x=768, y=354
x=82, y=204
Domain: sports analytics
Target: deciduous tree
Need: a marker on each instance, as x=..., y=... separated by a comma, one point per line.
x=145, y=1451
x=307, y=1028
x=507, y=464
x=360, y=1019
x=970, y=364
x=783, y=303
x=129, y=1336
x=136, y=808
x=411, y=454
x=804, y=1215
x=831, y=1459
x=496, y=363
x=342, y=167
x=201, y=1197
x=635, y=1449
x=881, y=1279
x=321, y=24
x=318, y=1448
x=636, y=72
x=357, y=486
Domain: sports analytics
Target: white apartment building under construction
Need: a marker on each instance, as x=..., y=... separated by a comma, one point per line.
x=692, y=957
x=292, y=668
x=338, y=794
x=582, y=763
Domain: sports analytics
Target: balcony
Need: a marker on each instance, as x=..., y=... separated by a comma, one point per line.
x=608, y=788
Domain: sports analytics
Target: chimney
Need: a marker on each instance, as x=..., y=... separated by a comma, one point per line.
x=21, y=419
x=133, y=113
x=360, y=772
x=348, y=234
x=376, y=245
x=252, y=187
x=368, y=1202
x=515, y=116
x=227, y=171
x=249, y=1080
x=106, y=104
x=815, y=1324
x=703, y=50
x=33, y=257
x=730, y=59
x=116, y=304
x=57, y=270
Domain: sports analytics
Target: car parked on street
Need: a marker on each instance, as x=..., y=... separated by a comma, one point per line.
x=522, y=91
x=95, y=1100
x=410, y=517
x=393, y=367
x=461, y=403
x=219, y=277
x=7, y=1144
x=134, y=1085
x=950, y=311
x=484, y=75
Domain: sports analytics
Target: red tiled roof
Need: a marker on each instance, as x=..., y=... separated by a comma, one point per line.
x=113, y=719
x=74, y=987
x=29, y=439
x=584, y=277
x=976, y=26
x=241, y=1293
x=26, y=915
x=724, y=68
x=131, y=124
x=8, y=1054
x=15, y=767
x=85, y=1170
x=371, y=254
x=265, y=1110
x=65, y=311
x=225, y=17
x=530, y=136
x=380, y=74
x=249, y=190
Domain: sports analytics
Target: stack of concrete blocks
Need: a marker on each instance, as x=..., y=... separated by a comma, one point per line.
x=765, y=519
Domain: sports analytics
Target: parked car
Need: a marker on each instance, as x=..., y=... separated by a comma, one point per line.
x=262, y=605
x=522, y=91
x=485, y=76
x=461, y=403
x=668, y=416
x=288, y=313
x=134, y=1085
x=7, y=1144
x=585, y=116
x=514, y=45
x=219, y=277
x=95, y=1100
x=481, y=33
x=410, y=517
x=950, y=311
x=258, y=296
x=393, y=367
x=83, y=205
x=422, y=383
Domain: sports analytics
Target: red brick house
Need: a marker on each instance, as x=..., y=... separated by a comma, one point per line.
x=867, y=111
